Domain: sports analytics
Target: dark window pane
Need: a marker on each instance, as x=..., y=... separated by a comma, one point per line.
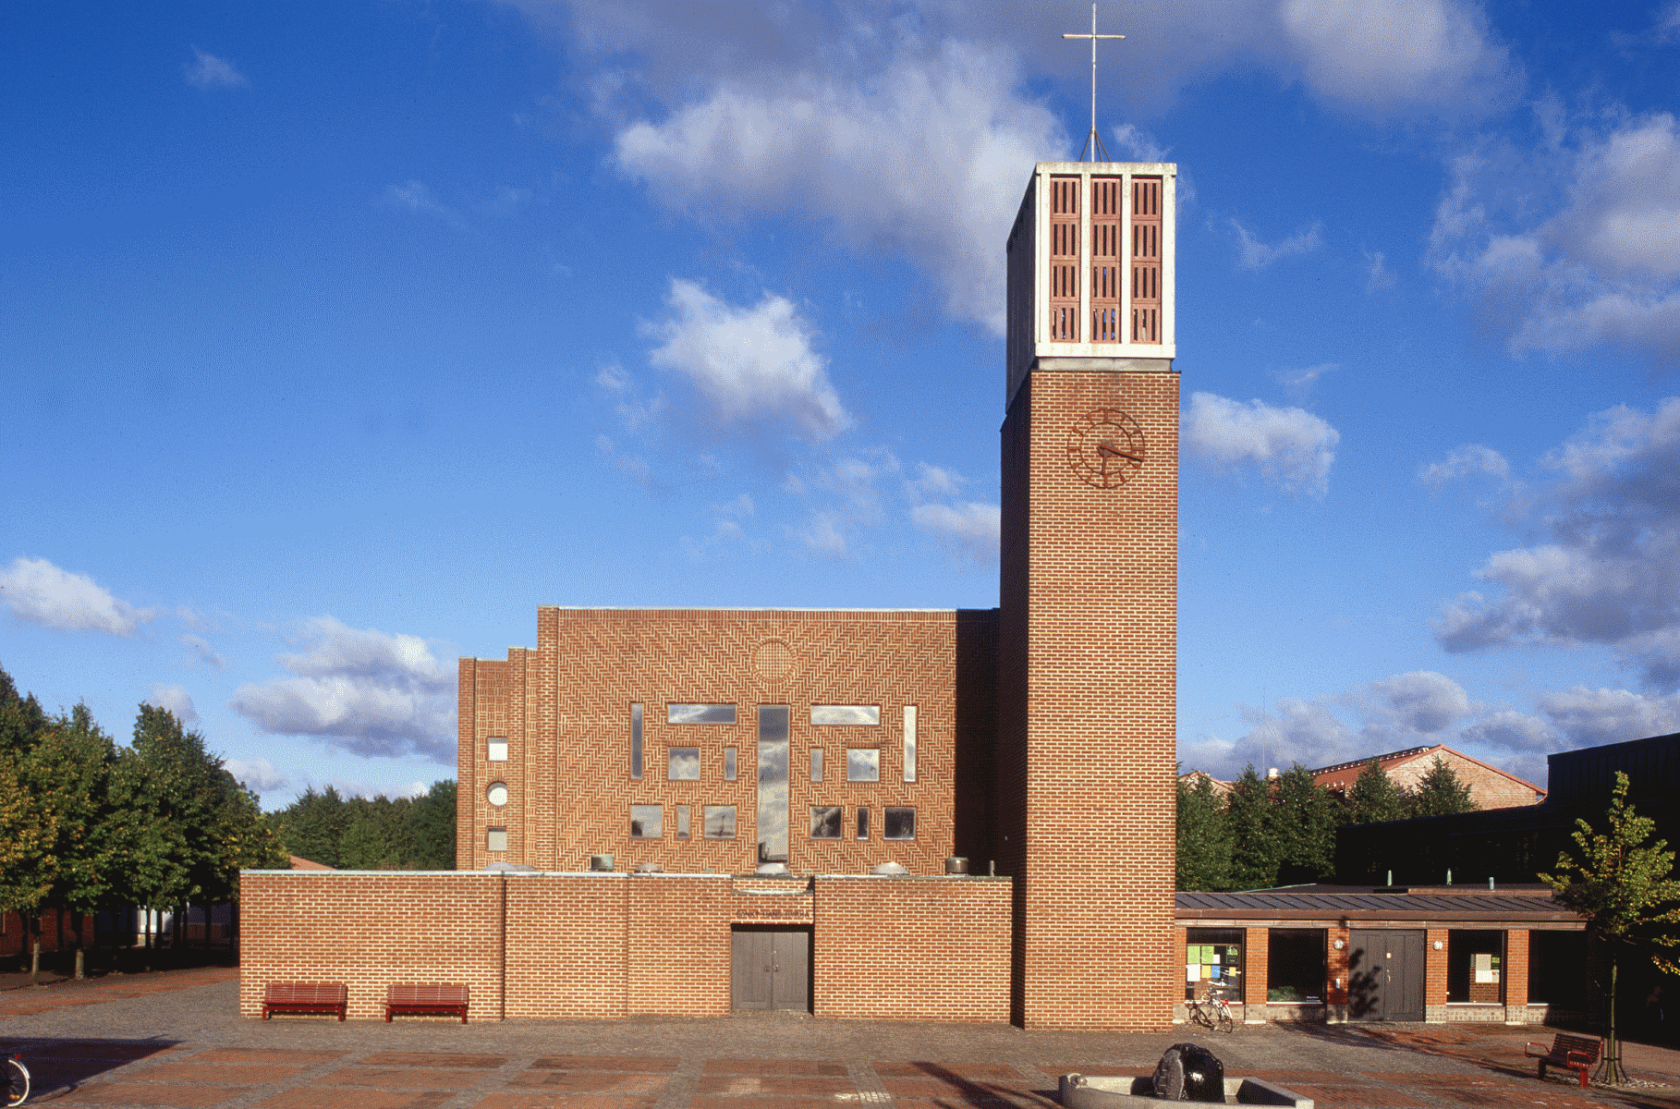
x=900, y=823
x=825, y=821
x=863, y=823
x=636, y=743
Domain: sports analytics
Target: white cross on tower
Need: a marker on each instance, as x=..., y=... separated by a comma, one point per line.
x=1093, y=141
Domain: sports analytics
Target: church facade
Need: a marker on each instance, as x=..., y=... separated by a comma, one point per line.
x=684, y=811
x=1035, y=741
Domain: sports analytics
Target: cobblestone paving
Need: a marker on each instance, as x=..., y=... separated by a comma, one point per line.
x=176, y=1040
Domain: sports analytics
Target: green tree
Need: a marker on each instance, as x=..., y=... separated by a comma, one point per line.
x=433, y=824
x=1251, y=827
x=1374, y=797
x=312, y=826
x=1204, y=848
x=1304, y=824
x=1623, y=889
x=1440, y=793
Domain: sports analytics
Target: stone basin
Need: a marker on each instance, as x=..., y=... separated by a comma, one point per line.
x=1078, y=1091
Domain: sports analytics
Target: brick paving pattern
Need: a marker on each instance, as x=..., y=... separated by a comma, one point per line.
x=176, y=1040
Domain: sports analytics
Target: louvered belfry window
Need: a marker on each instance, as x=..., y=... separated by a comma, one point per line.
x=1146, y=259
x=1105, y=260
x=1064, y=259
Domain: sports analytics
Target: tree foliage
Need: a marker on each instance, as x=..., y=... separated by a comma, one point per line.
x=1204, y=845
x=1255, y=853
x=378, y=833
x=1374, y=797
x=1304, y=824
x=1440, y=793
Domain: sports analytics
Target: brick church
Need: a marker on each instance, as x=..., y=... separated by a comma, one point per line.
x=686, y=810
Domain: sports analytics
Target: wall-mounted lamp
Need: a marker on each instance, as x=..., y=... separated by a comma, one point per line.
x=1439, y=945
x=1340, y=945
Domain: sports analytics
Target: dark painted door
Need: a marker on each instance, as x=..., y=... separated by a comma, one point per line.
x=1385, y=974
x=770, y=969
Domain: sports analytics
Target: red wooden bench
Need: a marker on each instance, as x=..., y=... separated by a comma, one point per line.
x=1578, y=1053
x=435, y=1000
x=305, y=997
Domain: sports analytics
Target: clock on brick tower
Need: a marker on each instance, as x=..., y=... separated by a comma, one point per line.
x=1088, y=637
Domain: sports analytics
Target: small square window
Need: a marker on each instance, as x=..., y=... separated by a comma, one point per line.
x=816, y=764
x=495, y=839
x=646, y=821
x=825, y=821
x=729, y=764
x=682, y=764
x=863, y=764
x=900, y=823
x=720, y=822
x=863, y=823
x=498, y=750
x=682, y=821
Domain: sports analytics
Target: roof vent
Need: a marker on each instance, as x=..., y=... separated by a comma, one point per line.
x=890, y=870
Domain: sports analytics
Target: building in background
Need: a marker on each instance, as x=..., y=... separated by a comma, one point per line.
x=1490, y=787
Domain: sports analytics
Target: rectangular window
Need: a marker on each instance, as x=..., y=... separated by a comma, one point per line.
x=682, y=764
x=825, y=821
x=816, y=764
x=498, y=750
x=720, y=822
x=1105, y=260
x=900, y=823
x=1475, y=961
x=1064, y=260
x=682, y=821
x=1213, y=959
x=1146, y=259
x=700, y=714
x=729, y=764
x=635, y=743
x=773, y=816
x=646, y=821
x=863, y=823
x=846, y=714
x=909, y=743
x=863, y=764
x=495, y=839
x=1296, y=965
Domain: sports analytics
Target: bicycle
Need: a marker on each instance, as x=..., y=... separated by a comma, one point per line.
x=1216, y=1016
x=16, y=1081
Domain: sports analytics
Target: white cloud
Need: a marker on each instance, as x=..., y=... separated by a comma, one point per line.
x=417, y=197
x=177, y=700
x=258, y=774
x=852, y=152
x=1291, y=448
x=1575, y=243
x=1257, y=255
x=1131, y=144
x=1591, y=717
x=751, y=364
x=971, y=528
x=368, y=692
x=1420, y=55
x=1377, y=274
x=41, y=593
x=933, y=481
x=206, y=71
x=1468, y=460
x=1609, y=570
x=202, y=651
x=1300, y=382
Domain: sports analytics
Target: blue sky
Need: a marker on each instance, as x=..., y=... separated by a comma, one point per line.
x=334, y=339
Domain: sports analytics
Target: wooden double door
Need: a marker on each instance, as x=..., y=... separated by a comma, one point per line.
x=1385, y=974
x=770, y=968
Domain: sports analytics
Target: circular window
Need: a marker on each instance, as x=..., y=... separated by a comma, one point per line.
x=497, y=794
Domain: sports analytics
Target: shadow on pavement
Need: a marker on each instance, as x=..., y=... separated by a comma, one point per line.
x=57, y=1065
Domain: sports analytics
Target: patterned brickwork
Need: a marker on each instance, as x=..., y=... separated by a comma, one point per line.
x=1087, y=683
x=565, y=711
x=370, y=931
x=912, y=948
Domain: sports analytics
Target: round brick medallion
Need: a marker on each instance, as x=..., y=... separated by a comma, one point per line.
x=773, y=661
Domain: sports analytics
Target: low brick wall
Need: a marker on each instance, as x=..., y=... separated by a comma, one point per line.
x=608, y=946
x=912, y=948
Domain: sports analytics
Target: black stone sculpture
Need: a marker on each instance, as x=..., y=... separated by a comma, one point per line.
x=1189, y=1072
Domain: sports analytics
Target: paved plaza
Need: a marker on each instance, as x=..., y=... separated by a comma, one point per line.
x=175, y=1039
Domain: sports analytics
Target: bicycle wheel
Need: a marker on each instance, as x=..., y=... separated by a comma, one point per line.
x=1200, y=1017
x=17, y=1082
x=1226, y=1024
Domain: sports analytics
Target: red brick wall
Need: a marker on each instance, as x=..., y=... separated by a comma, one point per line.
x=566, y=945
x=1257, y=949
x=1516, y=968
x=1336, y=968
x=369, y=931
x=912, y=948
x=1088, y=691
x=1435, y=968
x=565, y=711
x=679, y=945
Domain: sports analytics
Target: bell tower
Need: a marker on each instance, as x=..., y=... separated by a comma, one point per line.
x=1088, y=650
